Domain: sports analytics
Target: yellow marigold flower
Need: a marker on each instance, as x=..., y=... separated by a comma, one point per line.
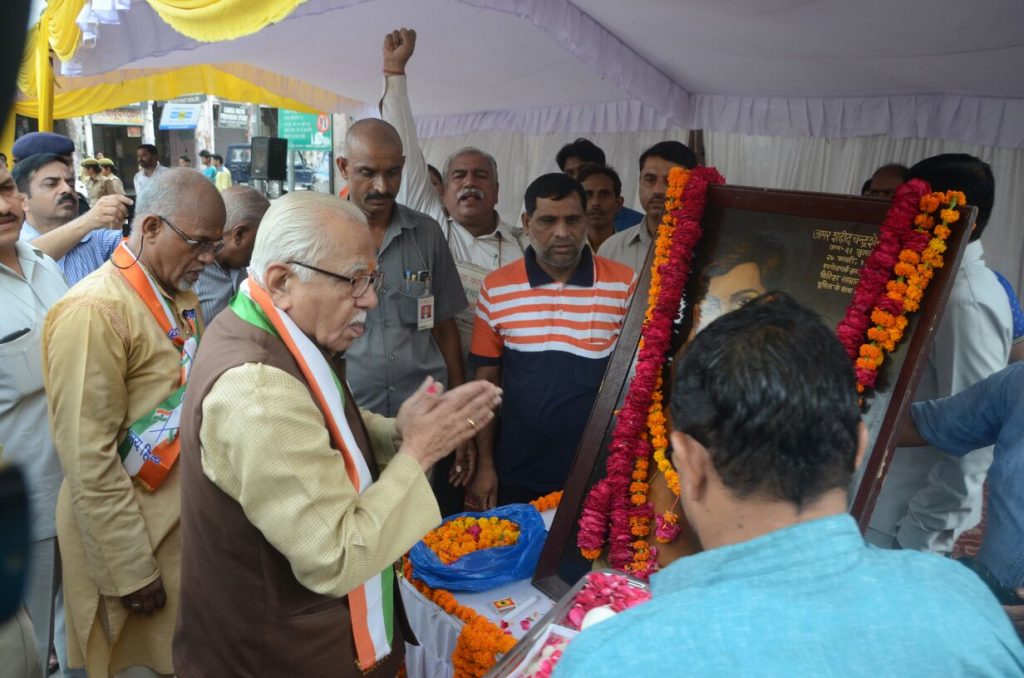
x=942, y=232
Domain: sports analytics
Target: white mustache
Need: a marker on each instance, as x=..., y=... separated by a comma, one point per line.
x=359, y=319
x=471, y=192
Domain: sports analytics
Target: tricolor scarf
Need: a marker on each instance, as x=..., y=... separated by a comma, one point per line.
x=151, y=445
x=371, y=604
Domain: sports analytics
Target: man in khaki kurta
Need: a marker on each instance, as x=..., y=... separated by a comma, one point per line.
x=107, y=363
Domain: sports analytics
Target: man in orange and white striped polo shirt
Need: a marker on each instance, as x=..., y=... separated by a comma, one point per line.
x=545, y=327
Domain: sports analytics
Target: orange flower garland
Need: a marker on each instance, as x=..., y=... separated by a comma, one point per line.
x=547, y=502
x=480, y=641
x=655, y=428
x=616, y=512
x=462, y=536
x=913, y=271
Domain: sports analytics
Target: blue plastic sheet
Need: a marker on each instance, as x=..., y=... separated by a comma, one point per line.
x=483, y=570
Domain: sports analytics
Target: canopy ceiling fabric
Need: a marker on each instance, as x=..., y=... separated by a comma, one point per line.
x=917, y=68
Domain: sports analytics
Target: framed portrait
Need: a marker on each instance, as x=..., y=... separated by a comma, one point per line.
x=809, y=245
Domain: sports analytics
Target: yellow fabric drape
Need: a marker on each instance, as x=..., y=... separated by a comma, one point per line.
x=44, y=85
x=215, y=20
x=58, y=31
x=160, y=85
x=61, y=29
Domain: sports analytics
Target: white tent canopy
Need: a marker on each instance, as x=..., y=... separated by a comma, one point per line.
x=914, y=68
x=829, y=89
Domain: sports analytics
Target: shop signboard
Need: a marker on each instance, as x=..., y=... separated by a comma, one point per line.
x=126, y=115
x=233, y=116
x=180, y=116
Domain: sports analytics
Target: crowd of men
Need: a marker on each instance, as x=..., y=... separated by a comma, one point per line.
x=344, y=363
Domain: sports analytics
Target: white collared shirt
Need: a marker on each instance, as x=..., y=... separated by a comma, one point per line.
x=24, y=423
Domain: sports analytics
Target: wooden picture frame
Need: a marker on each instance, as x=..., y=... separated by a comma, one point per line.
x=813, y=225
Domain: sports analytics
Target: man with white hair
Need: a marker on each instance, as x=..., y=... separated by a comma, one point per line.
x=219, y=281
x=289, y=528
x=116, y=353
x=479, y=240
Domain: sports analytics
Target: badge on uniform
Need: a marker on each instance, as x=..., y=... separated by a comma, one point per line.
x=425, y=312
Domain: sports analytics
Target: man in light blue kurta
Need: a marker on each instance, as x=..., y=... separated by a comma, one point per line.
x=767, y=434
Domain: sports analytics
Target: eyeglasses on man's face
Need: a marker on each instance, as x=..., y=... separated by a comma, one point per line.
x=360, y=283
x=202, y=245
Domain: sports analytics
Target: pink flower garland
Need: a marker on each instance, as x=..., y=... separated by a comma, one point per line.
x=605, y=517
x=897, y=232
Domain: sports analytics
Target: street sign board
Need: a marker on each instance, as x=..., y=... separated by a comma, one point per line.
x=305, y=131
x=233, y=116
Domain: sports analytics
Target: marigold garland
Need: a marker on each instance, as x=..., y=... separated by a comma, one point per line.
x=895, y=275
x=462, y=536
x=480, y=641
x=547, y=502
x=616, y=511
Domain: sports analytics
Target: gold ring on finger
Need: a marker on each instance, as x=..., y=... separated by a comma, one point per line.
x=472, y=424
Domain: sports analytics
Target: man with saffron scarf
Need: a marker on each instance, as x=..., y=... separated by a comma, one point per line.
x=116, y=352
x=290, y=530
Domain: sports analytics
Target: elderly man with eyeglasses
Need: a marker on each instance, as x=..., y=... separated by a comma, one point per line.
x=295, y=505
x=117, y=350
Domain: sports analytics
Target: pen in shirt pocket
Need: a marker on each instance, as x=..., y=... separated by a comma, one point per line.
x=7, y=338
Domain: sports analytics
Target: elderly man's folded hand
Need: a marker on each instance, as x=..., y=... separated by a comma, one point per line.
x=433, y=423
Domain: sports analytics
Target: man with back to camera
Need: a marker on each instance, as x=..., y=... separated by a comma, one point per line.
x=767, y=434
x=929, y=498
x=631, y=246
x=572, y=157
x=79, y=244
x=545, y=328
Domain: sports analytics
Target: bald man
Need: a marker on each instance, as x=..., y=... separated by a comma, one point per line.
x=219, y=281
x=116, y=350
x=411, y=334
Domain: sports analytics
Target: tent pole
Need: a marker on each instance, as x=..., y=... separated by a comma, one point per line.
x=44, y=76
x=7, y=135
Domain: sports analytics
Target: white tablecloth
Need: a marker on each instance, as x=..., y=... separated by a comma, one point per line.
x=437, y=631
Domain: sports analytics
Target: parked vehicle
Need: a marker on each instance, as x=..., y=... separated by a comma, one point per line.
x=238, y=160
